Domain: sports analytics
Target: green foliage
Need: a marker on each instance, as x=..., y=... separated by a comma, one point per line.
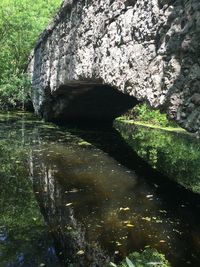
x=21, y=21
x=149, y=257
x=143, y=113
x=15, y=93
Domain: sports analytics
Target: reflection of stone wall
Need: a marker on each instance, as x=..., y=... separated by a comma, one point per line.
x=147, y=49
x=69, y=235
x=80, y=193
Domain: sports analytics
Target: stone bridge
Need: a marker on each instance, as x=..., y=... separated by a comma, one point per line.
x=98, y=58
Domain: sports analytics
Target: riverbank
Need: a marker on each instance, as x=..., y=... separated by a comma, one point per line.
x=148, y=124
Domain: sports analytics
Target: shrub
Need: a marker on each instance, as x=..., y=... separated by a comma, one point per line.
x=143, y=113
x=15, y=92
x=149, y=257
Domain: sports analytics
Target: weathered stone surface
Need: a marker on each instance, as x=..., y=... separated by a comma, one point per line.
x=146, y=49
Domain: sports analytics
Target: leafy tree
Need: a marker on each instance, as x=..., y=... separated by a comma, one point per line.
x=21, y=21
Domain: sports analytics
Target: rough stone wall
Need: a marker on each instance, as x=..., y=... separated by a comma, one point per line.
x=147, y=49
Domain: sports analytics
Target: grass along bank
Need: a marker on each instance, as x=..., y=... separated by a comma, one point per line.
x=142, y=115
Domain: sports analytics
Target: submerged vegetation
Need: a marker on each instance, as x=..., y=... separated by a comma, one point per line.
x=21, y=22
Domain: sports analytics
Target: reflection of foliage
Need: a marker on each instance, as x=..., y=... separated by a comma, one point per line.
x=21, y=224
x=143, y=113
x=177, y=155
x=149, y=257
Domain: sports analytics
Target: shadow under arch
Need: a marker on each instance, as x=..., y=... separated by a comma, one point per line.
x=85, y=102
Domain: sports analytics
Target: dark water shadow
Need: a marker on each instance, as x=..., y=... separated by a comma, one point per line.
x=173, y=193
x=186, y=204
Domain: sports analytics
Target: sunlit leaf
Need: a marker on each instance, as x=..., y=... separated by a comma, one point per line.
x=129, y=262
x=130, y=225
x=148, y=219
x=113, y=264
x=124, y=209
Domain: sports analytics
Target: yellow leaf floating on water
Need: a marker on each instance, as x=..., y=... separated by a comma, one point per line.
x=68, y=204
x=80, y=252
x=149, y=196
x=162, y=241
x=148, y=219
x=84, y=143
x=126, y=222
x=124, y=209
x=130, y=225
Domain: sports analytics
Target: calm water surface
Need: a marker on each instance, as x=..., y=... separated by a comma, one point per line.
x=175, y=154
x=76, y=197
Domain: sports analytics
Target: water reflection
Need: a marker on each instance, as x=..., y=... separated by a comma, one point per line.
x=24, y=239
x=96, y=209
x=175, y=154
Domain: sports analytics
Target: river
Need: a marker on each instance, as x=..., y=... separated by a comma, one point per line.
x=79, y=196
